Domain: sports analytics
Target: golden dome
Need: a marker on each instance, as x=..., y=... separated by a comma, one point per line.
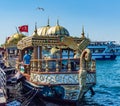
x=15, y=38
x=57, y=30
x=43, y=30
x=18, y=36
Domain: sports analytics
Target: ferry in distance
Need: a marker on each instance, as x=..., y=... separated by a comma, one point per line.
x=104, y=50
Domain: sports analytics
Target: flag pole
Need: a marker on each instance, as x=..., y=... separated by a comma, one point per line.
x=17, y=30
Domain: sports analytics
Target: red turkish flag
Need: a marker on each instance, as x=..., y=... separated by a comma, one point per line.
x=23, y=28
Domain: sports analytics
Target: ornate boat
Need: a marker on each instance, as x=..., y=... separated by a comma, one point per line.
x=61, y=67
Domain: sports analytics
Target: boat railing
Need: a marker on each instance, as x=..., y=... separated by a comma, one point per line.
x=55, y=65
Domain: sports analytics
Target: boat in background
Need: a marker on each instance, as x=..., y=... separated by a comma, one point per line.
x=116, y=48
x=104, y=50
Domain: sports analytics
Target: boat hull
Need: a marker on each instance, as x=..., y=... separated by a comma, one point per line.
x=28, y=86
x=69, y=92
x=104, y=57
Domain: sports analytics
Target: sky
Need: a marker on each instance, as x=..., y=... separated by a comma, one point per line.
x=100, y=18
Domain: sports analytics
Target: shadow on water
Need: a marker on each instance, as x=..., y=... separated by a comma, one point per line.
x=88, y=100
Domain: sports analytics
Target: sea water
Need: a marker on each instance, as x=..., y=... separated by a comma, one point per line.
x=107, y=89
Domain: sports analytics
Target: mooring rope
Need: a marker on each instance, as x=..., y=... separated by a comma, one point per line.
x=29, y=99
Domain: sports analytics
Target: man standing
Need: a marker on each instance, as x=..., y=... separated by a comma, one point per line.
x=26, y=58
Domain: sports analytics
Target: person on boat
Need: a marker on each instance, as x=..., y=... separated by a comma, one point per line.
x=73, y=66
x=26, y=58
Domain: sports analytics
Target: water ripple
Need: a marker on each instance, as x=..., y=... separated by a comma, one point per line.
x=107, y=90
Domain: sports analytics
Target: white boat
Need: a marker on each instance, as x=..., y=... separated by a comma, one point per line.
x=103, y=50
x=117, y=48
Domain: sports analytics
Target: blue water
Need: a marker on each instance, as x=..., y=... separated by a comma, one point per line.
x=107, y=89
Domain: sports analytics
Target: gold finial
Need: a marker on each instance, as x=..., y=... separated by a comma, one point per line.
x=83, y=34
x=35, y=29
x=48, y=24
x=57, y=22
